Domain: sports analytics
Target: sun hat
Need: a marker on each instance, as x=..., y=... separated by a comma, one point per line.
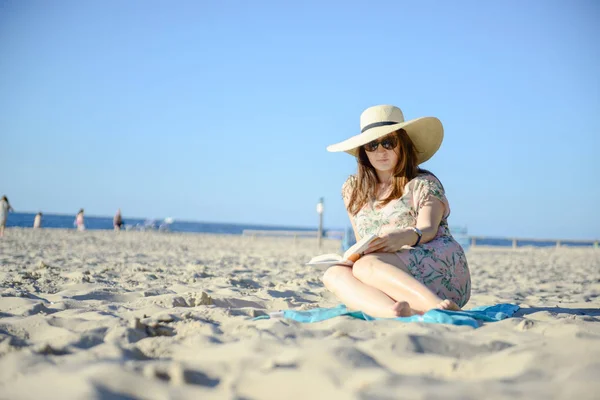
x=426, y=133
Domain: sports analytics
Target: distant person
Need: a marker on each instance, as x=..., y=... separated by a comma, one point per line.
x=414, y=265
x=37, y=221
x=118, y=220
x=80, y=221
x=4, y=210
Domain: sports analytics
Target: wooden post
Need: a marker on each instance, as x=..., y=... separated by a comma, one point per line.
x=514, y=243
x=473, y=241
x=558, y=244
x=320, y=233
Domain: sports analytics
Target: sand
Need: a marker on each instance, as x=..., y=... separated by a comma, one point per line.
x=102, y=314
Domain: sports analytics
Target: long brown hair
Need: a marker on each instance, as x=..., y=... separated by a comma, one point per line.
x=365, y=188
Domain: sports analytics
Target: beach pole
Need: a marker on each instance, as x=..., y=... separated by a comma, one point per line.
x=320, y=233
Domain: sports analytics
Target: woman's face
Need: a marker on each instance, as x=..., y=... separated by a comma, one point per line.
x=383, y=153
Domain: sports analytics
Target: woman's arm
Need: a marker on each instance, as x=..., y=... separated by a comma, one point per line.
x=429, y=218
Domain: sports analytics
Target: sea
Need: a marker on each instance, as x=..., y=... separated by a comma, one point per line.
x=460, y=233
x=25, y=220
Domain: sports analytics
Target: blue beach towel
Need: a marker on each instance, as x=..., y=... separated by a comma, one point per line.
x=473, y=317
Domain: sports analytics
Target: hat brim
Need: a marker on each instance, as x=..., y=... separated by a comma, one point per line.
x=426, y=134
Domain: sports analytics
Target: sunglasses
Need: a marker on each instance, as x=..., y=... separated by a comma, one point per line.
x=387, y=143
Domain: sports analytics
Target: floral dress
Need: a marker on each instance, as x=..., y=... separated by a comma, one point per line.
x=439, y=264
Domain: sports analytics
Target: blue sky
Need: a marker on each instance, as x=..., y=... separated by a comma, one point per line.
x=221, y=111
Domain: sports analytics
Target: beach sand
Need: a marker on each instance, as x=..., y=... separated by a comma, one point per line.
x=104, y=314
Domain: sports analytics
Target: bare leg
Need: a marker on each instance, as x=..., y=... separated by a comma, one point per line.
x=358, y=296
x=1, y=230
x=448, y=305
x=385, y=272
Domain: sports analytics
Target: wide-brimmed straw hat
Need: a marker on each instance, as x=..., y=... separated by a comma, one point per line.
x=426, y=133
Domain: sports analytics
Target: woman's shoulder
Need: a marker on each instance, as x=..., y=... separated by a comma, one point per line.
x=349, y=186
x=350, y=182
x=426, y=176
x=424, y=179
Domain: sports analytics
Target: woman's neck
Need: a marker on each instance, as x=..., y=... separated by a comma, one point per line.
x=384, y=177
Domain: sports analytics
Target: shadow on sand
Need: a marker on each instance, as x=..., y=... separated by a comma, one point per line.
x=593, y=312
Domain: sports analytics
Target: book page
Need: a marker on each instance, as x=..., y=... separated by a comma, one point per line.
x=326, y=258
x=333, y=259
x=359, y=246
x=329, y=263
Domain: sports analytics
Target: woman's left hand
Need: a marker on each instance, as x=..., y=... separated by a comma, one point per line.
x=392, y=241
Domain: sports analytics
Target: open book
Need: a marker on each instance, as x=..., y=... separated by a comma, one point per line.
x=350, y=256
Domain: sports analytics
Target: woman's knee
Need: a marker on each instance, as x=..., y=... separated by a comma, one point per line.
x=363, y=268
x=334, y=274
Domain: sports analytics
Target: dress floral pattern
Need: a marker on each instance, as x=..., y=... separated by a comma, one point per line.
x=439, y=264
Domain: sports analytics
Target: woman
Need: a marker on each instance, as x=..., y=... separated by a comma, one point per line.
x=117, y=220
x=80, y=221
x=4, y=209
x=415, y=264
x=37, y=221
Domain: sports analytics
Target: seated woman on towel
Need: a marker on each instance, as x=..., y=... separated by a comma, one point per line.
x=415, y=264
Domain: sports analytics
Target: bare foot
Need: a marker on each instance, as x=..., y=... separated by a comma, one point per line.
x=448, y=305
x=402, y=309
